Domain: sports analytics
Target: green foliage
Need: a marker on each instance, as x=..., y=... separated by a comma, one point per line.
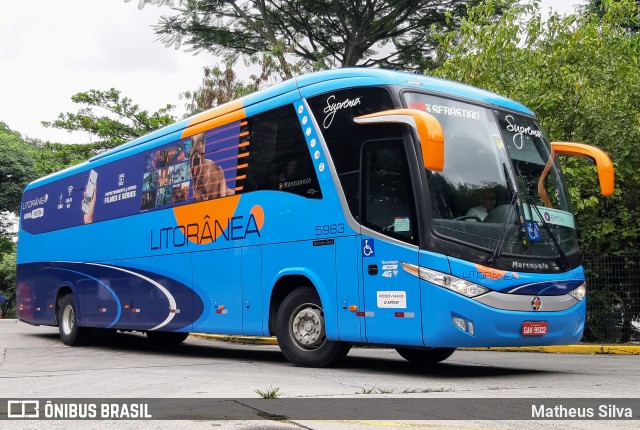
x=598, y=8
x=53, y=157
x=581, y=75
x=312, y=34
x=269, y=393
x=614, y=297
x=218, y=87
x=122, y=122
x=6, y=245
x=16, y=169
x=8, y=282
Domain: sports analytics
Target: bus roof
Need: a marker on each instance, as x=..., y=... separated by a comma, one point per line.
x=341, y=78
x=310, y=85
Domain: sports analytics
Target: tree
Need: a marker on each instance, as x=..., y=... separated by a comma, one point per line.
x=581, y=75
x=218, y=86
x=7, y=282
x=124, y=120
x=312, y=34
x=16, y=171
x=597, y=7
x=53, y=157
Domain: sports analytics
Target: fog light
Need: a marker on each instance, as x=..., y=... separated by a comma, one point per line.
x=460, y=323
x=471, y=331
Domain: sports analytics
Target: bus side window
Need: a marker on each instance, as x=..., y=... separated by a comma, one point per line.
x=388, y=203
x=344, y=138
x=278, y=155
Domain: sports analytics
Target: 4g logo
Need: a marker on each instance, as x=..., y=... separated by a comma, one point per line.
x=390, y=269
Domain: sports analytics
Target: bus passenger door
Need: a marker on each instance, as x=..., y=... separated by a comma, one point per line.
x=350, y=325
x=392, y=311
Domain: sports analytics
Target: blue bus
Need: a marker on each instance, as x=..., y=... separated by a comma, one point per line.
x=344, y=207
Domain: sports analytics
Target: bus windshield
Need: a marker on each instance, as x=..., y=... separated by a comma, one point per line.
x=499, y=190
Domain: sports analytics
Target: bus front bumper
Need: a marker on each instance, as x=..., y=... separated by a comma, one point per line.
x=452, y=320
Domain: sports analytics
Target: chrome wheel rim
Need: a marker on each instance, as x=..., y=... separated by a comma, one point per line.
x=68, y=320
x=307, y=327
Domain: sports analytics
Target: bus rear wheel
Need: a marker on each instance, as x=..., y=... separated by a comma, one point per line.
x=70, y=332
x=425, y=357
x=166, y=337
x=301, y=334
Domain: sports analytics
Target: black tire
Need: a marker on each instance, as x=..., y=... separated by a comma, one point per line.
x=166, y=337
x=425, y=357
x=70, y=332
x=301, y=333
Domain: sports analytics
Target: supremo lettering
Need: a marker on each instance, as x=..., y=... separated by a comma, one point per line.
x=210, y=231
x=333, y=107
x=520, y=131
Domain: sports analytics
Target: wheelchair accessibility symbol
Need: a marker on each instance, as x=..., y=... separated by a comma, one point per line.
x=533, y=231
x=368, y=248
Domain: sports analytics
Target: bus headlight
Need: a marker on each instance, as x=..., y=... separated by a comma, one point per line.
x=465, y=288
x=579, y=292
x=460, y=286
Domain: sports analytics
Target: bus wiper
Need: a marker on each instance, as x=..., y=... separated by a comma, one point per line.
x=503, y=233
x=563, y=256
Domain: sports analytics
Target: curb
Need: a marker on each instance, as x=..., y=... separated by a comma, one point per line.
x=569, y=349
x=563, y=349
x=249, y=340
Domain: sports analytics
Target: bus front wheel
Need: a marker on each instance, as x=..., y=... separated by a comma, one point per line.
x=425, y=357
x=70, y=332
x=301, y=334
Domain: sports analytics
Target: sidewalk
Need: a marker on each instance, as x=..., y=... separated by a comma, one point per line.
x=618, y=349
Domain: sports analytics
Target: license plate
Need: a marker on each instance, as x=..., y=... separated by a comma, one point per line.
x=534, y=328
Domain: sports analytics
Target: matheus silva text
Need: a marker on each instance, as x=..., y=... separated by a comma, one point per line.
x=559, y=411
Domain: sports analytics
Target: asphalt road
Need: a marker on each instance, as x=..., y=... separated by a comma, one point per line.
x=35, y=364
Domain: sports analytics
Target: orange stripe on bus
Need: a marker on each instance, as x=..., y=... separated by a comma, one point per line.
x=243, y=144
x=216, y=112
x=216, y=117
x=241, y=177
x=223, y=208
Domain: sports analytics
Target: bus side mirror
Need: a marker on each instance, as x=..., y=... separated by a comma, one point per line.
x=427, y=128
x=602, y=160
